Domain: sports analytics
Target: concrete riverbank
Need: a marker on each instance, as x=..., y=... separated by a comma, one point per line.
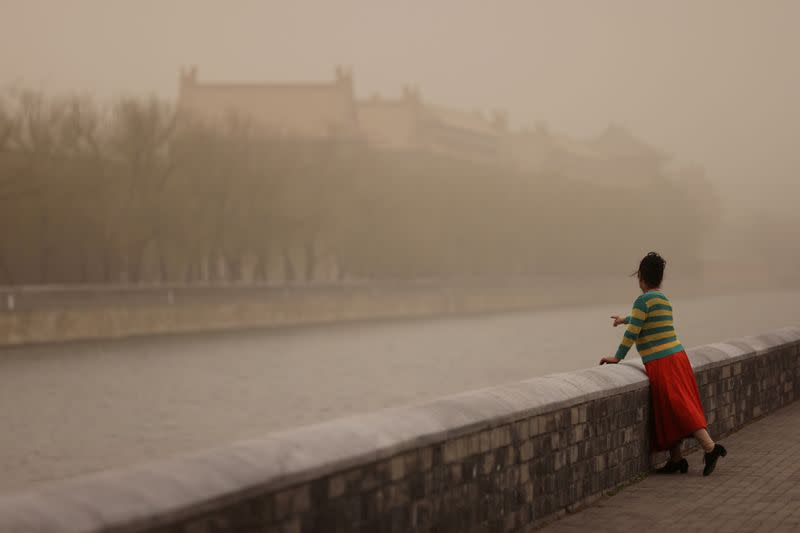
x=34, y=315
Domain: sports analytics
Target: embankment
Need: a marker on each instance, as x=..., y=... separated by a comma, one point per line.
x=499, y=459
x=51, y=314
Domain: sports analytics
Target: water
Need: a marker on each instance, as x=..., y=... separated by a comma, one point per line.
x=72, y=409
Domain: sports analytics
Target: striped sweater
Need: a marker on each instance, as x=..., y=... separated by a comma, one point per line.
x=650, y=327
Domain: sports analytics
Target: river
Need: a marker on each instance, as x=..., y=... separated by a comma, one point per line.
x=83, y=407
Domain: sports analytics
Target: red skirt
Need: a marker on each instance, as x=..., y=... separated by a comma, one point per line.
x=676, y=408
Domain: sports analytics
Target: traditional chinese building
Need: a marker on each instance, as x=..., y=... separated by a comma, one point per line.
x=330, y=109
x=409, y=123
x=321, y=109
x=614, y=157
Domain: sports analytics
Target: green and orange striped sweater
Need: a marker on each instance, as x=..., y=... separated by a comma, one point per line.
x=650, y=327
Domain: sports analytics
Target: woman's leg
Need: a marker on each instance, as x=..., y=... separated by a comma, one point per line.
x=713, y=451
x=704, y=439
x=676, y=462
x=675, y=455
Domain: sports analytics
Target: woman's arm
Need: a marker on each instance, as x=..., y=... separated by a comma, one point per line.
x=621, y=320
x=635, y=322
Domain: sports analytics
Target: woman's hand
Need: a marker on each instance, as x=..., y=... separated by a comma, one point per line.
x=609, y=361
x=618, y=320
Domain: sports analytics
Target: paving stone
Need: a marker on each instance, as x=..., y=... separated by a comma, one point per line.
x=755, y=488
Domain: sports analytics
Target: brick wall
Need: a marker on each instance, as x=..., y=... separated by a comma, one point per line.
x=500, y=459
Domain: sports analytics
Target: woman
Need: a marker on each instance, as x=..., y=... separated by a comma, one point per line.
x=677, y=412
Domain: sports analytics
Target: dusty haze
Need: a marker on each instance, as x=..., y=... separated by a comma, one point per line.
x=712, y=82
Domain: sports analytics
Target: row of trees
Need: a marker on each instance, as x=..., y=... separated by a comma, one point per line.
x=134, y=193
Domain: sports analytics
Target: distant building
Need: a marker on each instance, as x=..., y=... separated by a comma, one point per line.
x=331, y=110
x=296, y=109
x=410, y=124
x=614, y=157
x=407, y=123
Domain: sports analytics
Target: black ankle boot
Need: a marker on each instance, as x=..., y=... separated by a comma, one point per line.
x=671, y=467
x=711, y=458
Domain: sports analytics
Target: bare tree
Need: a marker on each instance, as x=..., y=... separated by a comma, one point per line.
x=139, y=145
x=89, y=192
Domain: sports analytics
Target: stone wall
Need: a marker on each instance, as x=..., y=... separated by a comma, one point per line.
x=504, y=458
x=53, y=314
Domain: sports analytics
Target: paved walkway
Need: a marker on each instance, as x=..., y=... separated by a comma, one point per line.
x=755, y=488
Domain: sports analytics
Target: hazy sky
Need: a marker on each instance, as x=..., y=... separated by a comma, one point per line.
x=714, y=82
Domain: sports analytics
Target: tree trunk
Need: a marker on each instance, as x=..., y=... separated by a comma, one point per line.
x=310, y=260
x=289, y=274
x=6, y=278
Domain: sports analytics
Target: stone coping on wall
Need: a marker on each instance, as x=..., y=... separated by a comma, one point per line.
x=153, y=493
